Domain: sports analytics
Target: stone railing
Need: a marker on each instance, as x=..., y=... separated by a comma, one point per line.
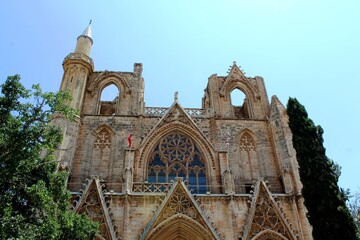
x=160, y=111
x=195, y=112
x=151, y=187
x=80, y=56
x=147, y=187
x=155, y=111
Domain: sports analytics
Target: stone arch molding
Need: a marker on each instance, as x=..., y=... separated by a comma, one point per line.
x=241, y=84
x=102, y=128
x=178, y=226
x=205, y=147
x=176, y=119
x=269, y=235
x=107, y=78
x=237, y=79
x=247, y=133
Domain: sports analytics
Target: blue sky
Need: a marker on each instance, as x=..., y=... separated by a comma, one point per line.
x=305, y=49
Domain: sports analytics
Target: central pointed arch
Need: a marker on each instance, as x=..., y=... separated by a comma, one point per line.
x=269, y=235
x=204, y=147
x=177, y=155
x=179, y=226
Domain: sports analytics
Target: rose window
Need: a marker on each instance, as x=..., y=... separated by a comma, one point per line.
x=176, y=155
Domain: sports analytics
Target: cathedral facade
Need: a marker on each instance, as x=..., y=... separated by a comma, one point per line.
x=223, y=171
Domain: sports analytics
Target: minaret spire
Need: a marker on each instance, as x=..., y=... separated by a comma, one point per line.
x=87, y=31
x=84, y=41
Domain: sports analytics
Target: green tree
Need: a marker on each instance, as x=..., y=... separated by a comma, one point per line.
x=325, y=201
x=354, y=206
x=33, y=196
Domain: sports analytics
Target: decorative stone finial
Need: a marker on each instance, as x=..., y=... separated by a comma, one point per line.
x=176, y=96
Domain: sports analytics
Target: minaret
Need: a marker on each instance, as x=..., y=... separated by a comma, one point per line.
x=78, y=66
x=84, y=41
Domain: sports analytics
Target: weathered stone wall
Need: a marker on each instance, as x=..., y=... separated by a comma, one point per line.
x=238, y=151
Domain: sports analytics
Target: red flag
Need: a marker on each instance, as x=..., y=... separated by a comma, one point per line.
x=129, y=139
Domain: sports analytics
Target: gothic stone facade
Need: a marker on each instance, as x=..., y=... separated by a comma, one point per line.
x=218, y=172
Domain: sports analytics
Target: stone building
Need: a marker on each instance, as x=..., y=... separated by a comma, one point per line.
x=223, y=171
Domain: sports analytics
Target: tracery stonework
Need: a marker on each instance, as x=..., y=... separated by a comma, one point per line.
x=177, y=156
x=266, y=218
x=180, y=203
x=92, y=208
x=170, y=143
x=103, y=140
x=247, y=143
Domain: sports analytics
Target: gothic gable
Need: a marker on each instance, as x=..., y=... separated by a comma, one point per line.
x=179, y=216
x=176, y=119
x=176, y=114
x=237, y=79
x=93, y=204
x=265, y=219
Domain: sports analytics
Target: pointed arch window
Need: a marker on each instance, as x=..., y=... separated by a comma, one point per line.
x=102, y=140
x=239, y=103
x=247, y=143
x=249, y=166
x=108, y=99
x=101, y=153
x=176, y=155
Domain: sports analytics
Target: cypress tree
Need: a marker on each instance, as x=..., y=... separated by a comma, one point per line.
x=325, y=201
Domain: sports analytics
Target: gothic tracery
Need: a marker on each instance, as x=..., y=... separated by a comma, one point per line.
x=92, y=208
x=266, y=218
x=176, y=155
x=102, y=140
x=247, y=143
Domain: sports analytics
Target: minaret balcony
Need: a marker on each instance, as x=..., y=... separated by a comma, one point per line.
x=79, y=56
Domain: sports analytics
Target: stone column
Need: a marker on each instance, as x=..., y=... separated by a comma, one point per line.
x=229, y=182
x=128, y=171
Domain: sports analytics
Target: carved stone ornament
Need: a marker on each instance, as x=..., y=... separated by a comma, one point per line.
x=176, y=118
x=93, y=204
x=247, y=143
x=266, y=219
x=176, y=115
x=237, y=79
x=179, y=213
x=103, y=140
x=286, y=168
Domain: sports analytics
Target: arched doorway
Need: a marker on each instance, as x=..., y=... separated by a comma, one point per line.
x=179, y=227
